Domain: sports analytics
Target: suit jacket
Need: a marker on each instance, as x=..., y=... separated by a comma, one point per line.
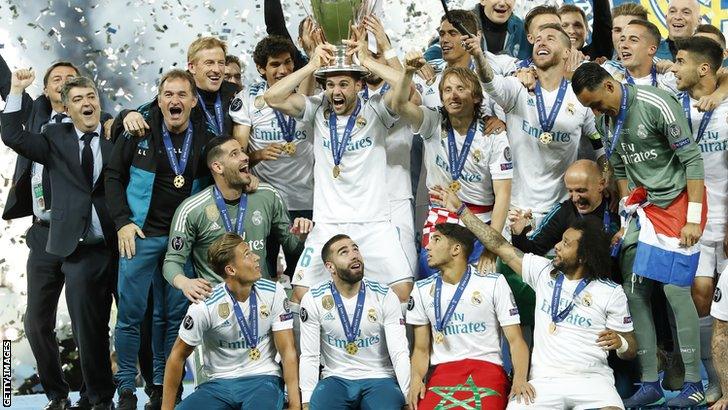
x=56, y=147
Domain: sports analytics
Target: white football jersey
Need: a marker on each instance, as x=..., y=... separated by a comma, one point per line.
x=489, y=159
x=573, y=348
x=213, y=325
x=538, y=169
x=381, y=341
x=291, y=175
x=714, y=148
x=431, y=97
x=363, y=164
x=474, y=330
x=719, y=308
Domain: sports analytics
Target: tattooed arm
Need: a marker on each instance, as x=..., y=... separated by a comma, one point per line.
x=489, y=237
x=720, y=358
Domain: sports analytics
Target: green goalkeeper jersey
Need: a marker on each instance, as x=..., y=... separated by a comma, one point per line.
x=656, y=148
x=197, y=223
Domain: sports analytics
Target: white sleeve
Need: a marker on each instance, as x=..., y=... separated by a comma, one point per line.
x=533, y=267
x=504, y=91
x=308, y=367
x=282, y=316
x=589, y=126
x=313, y=104
x=416, y=314
x=505, y=304
x=194, y=324
x=501, y=161
x=668, y=82
x=387, y=117
x=618, y=316
x=719, y=308
x=430, y=126
x=396, y=336
x=14, y=103
x=240, y=109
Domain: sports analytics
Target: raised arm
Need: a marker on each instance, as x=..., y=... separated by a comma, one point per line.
x=401, y=103
x=482, y=66
x=32, y=146
x=283, y=97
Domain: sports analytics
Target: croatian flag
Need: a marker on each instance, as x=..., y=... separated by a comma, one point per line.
x=659, y=254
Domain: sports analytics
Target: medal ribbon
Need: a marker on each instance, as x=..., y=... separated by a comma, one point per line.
x=653, y=73
x=242, y=207
x=288, y=128
x=703, y=121
x=441, y=321
x=547, y=123
x=556, y=296
x=248, y=328
x=177, y=167
x=618, y=125
x=338, y=147
x=350, y=329
x=382, y=90
x=457, y=162
x=524, y=63
x=218, y=120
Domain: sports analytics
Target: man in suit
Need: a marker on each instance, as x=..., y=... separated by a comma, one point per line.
x=80, y=228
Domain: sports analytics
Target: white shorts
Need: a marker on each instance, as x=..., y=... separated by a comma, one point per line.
x=712, y=258
x=384, y=259
x=400, y=211
x=719, y=308
x=571, y=392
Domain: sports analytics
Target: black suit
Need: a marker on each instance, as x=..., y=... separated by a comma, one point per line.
x=89, y=269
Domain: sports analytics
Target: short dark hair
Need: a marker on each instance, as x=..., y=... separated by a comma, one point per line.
x=232, y=59
x=222, y=252
x=458, y=234
x=76, y=82
x=590, y=76
x=213, y=148
x=652, y=30
x=703, y=49
x=272, y=46
x=177, y=74
x=711, y=29
x=573, y=8
x=326, y=249
x=593, y=252
x=466, y=17
x=537, y=11
x=564, y=37
x=55, y=65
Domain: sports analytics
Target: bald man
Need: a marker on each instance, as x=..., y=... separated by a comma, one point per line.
x=683, y=18
x=587, y=189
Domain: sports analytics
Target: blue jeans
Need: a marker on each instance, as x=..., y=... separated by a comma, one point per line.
x=365, y=394
x=254, y=392
x=136, y=276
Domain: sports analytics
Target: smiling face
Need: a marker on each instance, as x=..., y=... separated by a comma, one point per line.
x=683, y=17
x=231, y=166
x=452, y=48
x=208, y=68
x=584, y=191
x=457, y=96
x=245, y=266
x=687, y=70
x=619, y=23
x=83, y=106
x=574, y=26
x=498, y=11
x=565, y=258
x=636, y=47
x=176, y=99
x=604, y=99
x=233, y=74
x=550, y=49
x=341, y=91
x=276, y=68
x=56, y=78
x=345, y=261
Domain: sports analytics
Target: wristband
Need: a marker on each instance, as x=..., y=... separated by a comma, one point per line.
x=624, y=346
x=389, y=54
x=460, y=210
x=695, y=211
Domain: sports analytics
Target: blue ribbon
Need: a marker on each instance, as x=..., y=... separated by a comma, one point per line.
x=524, y=63
x=556, y=316
x=653, y=73
x=457, y=162
x=547, y=123
x=703, y=121
x=177, y=167
x=288, y=128
x=248, y=328
x=621, y=116
x=338, y=147
x=351, y=330
x=382, y=90
x=218, y=120
x=242, y=207
x=441, y=321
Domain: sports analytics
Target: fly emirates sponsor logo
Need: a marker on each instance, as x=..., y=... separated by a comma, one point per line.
x=632, y=156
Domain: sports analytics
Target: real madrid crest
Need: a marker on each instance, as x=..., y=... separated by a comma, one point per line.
x=372, y=315
x=476, y=299
x=211, y=212
x=586, y=300
x=259, y=102
x=327, y=112
x=570, y=108
x=223, y=310
x=360, y=121
x=477, y=155
x=327, y=302
x=264, y=312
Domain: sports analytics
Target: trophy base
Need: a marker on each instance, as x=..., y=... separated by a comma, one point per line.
x=342, y=64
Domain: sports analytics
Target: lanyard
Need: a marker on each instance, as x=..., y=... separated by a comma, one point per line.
x=547, y=122
x=441, y=321
x=177, y=167
x=382, y=90
x=338, y=147
x=242, y=207
x=350, y=329
x=557, y=316
x=288, y=127
x=248, y=328
x=218, y=120
x=653, y=73
x=457, y=162
x=703, y=121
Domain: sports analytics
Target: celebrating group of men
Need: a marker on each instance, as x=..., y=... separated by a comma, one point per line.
x=551, y=273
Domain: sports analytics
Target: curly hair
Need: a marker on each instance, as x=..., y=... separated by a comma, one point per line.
x=593, y=252
x=272, y=46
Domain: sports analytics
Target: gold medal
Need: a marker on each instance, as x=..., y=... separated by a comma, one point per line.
x=254, y=353
x=546, y=138
x=455, y=186
x=259, y=102
x=439, y=338
x=289, y=148
x=552, y=328
x=352, y=348
x=179, y=181
x=360, y=121
x=337, y=171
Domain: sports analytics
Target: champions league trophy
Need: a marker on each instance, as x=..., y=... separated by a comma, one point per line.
x=335, y=17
